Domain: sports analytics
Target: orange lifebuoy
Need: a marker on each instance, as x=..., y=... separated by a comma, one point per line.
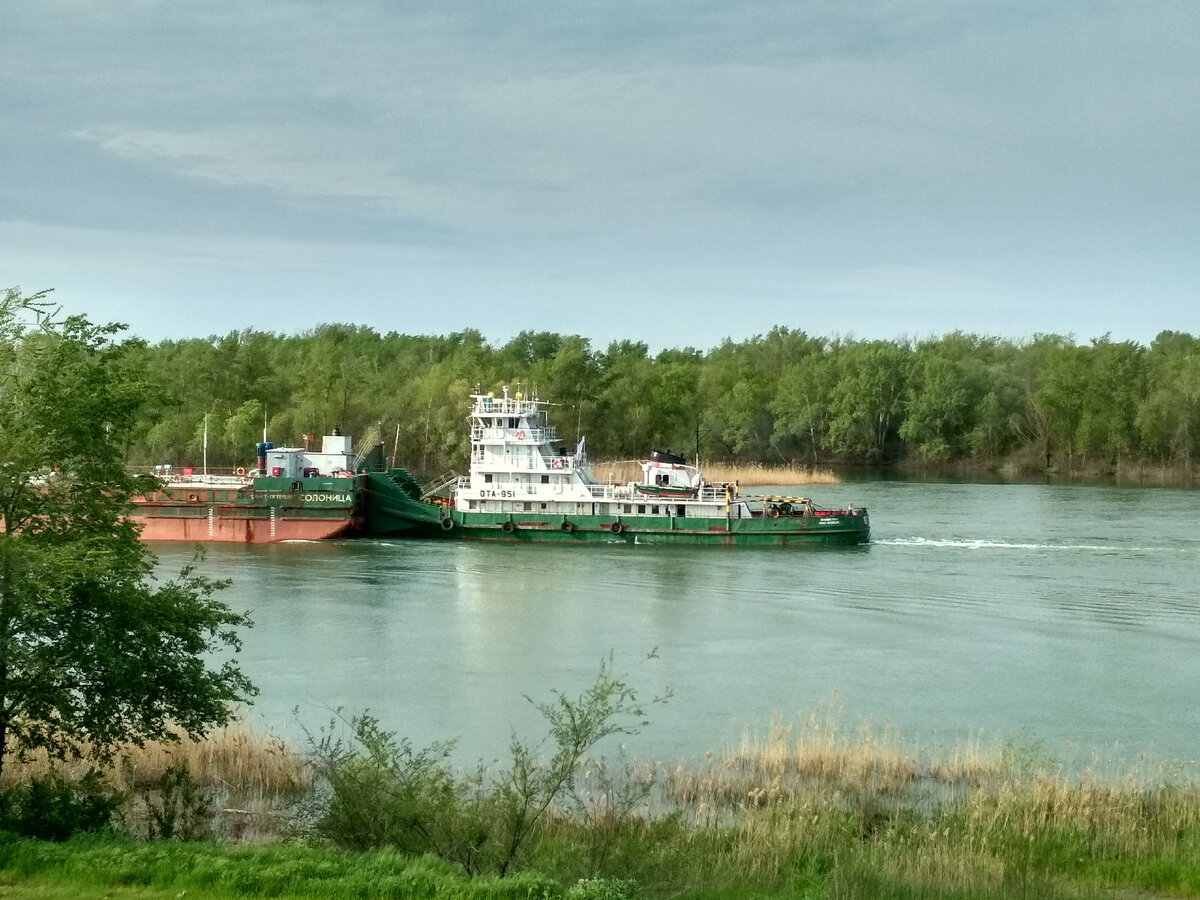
x=240, y=470
x=345, y=474
x=520, y=435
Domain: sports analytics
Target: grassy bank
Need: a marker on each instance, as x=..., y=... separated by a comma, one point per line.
x=745, y=474
x=805, y=809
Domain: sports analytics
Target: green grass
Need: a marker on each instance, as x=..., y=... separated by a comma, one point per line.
x=998, y=849
x=117, y=867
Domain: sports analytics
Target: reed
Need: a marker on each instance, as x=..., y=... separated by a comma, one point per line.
x=976, y=821
x=233, y=759
x=622, y=471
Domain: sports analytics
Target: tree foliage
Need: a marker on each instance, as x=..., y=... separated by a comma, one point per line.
x=92, y=650
x=782, y=396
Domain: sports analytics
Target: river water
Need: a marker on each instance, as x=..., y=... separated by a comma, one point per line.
x=1064, y=615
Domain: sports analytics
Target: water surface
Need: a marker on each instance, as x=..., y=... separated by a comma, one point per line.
x=1065, y=612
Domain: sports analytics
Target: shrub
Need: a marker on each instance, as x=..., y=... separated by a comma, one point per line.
x=374, y=790
x=602, y=889
x=50, y=807
x=178, y=809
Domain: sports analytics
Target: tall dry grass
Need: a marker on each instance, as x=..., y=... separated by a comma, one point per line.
x=245, y=781
x=745, y=474
x=233, y=759
x=972, y=820
x=807, y=760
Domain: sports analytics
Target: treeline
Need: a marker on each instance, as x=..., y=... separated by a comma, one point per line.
x=1043, y=404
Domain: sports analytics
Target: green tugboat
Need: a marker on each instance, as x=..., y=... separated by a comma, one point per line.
x=523, y=486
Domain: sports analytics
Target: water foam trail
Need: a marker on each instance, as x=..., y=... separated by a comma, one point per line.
x=983, y=544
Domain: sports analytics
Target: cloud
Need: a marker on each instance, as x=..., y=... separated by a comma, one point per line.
x=734, y=149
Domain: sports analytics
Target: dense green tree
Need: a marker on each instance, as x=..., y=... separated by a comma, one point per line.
x=735, y=400
x=1168, y=416
x=569, y=383
x=801, y=405
x=782, y=395
x=92, y=652
x=938, y=406
x=1115, y=386
x=624, y=416
x=868, y=399
x=1059, y=397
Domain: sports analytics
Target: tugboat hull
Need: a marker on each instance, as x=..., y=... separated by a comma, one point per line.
x=851, y=528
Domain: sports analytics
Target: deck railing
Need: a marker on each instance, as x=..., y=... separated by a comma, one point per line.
x=540, y=435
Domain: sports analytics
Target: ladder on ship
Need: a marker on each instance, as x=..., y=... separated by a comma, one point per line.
x=440, y=484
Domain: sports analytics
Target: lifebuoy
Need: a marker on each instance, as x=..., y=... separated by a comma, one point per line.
x=508, y=527
x=193, y=498
x=558, y=462
x=566, y=527
x=616, y=528
x=240, y=470
x=177, y=478
x=345, y=474
x=520, y=435
x=447, y=524
x=772, y=512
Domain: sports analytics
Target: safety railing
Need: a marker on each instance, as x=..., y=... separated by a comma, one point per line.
x=540, y=435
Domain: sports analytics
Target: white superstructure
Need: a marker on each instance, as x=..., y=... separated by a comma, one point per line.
x=518, y=467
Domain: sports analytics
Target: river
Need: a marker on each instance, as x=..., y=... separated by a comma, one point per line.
x=1066, y=615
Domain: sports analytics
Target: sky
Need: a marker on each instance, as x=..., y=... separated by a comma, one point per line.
x=673, y=173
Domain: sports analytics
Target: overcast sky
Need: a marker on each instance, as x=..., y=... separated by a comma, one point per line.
x=675, y=173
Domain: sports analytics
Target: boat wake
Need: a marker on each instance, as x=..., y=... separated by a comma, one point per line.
x=984, y=544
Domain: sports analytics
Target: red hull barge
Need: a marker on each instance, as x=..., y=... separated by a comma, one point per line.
x=291, y=494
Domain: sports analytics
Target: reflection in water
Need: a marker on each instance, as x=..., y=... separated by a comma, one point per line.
x=1065, y=610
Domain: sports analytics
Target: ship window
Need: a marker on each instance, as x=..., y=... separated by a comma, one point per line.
x=627, y=508
x=545, y=479
x=543, y=506
x=654, y=510
x=527, y=506
x=681, y=511
x=641, y=507
x=487, y=478
x=661, y=479
x=472, y=504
